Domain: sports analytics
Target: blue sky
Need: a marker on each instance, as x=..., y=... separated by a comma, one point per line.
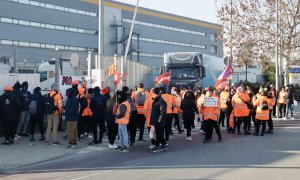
x=205, y=10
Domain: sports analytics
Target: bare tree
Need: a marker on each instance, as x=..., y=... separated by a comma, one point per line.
x=253, y=34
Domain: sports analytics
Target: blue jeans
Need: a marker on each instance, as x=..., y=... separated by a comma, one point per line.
x=23, y=122
x=123, y=135
x=291, y=108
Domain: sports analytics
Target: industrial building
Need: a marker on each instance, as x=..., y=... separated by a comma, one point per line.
x=35, y=31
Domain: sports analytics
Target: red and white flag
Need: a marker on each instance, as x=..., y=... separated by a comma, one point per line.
x=163, y=79
x=119, y=76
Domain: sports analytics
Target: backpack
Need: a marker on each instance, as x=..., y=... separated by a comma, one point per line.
x=50, y=106
x=100, y=105
x=265, y=105
x=140, y=98
x=33, y=106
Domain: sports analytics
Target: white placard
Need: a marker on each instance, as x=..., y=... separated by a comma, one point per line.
x=210, y=101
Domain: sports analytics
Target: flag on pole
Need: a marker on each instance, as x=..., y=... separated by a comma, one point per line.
x=119, y=76
x=112, y=69
x=224, y=77
x=163, y=79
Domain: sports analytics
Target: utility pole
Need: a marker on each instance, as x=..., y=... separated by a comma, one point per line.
x=100, y=28
x=57, y=66
x=231, y=57
x=131, y=31
x=277, y=49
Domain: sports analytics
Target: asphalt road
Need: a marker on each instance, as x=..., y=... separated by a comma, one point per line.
x=273, y=157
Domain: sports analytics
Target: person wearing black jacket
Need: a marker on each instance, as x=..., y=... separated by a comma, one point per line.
x=189, y=108
x=229, y=109
x=83, y=104
x=98, y=107
x=290, y=104
x=10, y=106
x=25, y=114
x=72, y=116
x=37, y=116
x=110, y=116
x=158, y=118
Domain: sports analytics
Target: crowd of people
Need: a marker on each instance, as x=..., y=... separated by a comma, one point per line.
x=93, y=112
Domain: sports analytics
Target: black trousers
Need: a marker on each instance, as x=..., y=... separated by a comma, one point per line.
x=101, y=124
x=224, y=114
x=188, y=126
x=258, y=123
x=131, y=127
x=112, y=132
x=168, y=126
x=40, y=122
x=84, y=125
x=140, y=121
x=8, y=128
x=239, y=121
x=159, y=131
x=251, y=118
x=177, y=122
x=282, y=106
x=274, y=109
x=270, y=121
x=209, y=125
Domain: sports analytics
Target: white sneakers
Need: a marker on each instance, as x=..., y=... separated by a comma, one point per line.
x=114, y=146
x=293, y=118
x=17, y=137
x=189, y=138
x=151, y=146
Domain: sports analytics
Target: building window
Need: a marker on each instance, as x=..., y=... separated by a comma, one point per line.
x=213, y=37
x=213, y=49
x=165, y=27
x=50, y=6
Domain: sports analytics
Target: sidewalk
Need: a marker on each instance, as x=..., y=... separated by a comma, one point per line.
x=21, y=153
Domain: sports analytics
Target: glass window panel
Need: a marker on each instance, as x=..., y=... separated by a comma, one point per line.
x=59, y=8
x=42, y=4
x=34, y=3
x=59, y=27
x=93, y=14
x=35, y=24
x=35, y=45
x=43, y=45
x=49, y=6
x=26, y=23
x=15, y=21
x=7, y=20
x=81, y=12
x=81, y=30
x=50, y=46
x=72, y=29
x=50, y=26
x=6, y=42
x=73, y=10
x=81, y=49
x=43, y=25
x=73, y=48
x=23, y=43
x=24, y=1
x=59, y=47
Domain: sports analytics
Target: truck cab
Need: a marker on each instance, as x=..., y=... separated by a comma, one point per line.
x=186, y=69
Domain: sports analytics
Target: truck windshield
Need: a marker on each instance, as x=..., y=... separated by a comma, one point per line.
x=192, y=72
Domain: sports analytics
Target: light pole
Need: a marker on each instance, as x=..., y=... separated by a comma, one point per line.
x=57, y=66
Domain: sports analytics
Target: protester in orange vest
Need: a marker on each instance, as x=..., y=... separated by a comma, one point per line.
x=168, y=98
x=175, y=111
x=139, y=98
x=282, y=100
x=200, y=115
x=241, y=110
x=86, y=127
x=224, y=96
x=122, y=119
x=263, y=105
x=270, y=120
x=210, y=114
x=251, y=108
x=147, y=110
x=230, y=109
x=53, y=118
x=132, y=125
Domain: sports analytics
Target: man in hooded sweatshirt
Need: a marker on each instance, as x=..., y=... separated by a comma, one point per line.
x=9, y=105
x=72, y=116
x=37, y=113
x=25, y=114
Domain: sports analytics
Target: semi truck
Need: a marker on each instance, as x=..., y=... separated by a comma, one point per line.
x=192, y=69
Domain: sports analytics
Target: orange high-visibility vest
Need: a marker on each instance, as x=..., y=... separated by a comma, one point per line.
x=57, y=102
x=140, y=109
x=282, y=97
x=210, y=112
x=87, y=111
x=262, y=114
x=168, y=98
x=240, y=108
x=148, y=109
x=231, y=121
x=224, y=95
x=124, y=119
